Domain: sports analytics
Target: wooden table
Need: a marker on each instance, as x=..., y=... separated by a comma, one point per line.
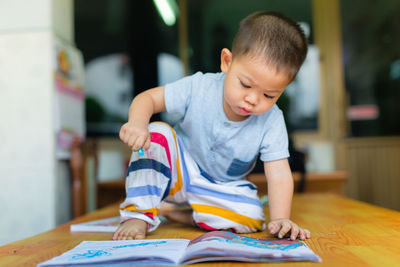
x=344, y=233
x=316, y=182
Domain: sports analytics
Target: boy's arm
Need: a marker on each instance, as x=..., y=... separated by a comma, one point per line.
x=134, y=133
x=280, y=193
x=280, y=188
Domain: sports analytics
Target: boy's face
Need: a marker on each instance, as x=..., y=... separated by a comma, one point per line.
x=251, y=86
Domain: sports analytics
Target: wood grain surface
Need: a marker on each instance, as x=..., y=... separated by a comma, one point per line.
x=344, y=233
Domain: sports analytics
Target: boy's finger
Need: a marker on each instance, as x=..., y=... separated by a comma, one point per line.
x=284, y=229
x=139, y=143
x=273, y=228
x=131, y=141
x=140, y=236
x=307, y=233
x=294, y=232
x=302, y=234
x=122, y=135
x=147, y=144
x=115, y=235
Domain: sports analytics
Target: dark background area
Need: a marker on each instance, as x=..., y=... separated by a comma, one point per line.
x=371, y=56
x=135, y=28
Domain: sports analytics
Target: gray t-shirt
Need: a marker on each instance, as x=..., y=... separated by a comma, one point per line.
x=224, y=149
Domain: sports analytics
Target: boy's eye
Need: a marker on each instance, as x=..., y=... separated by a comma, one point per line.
x=244, y=85
x=268, y=96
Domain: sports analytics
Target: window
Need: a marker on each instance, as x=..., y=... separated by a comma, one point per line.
x=371, y=56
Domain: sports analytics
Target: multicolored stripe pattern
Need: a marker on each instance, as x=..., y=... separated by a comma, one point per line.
x=167, y=171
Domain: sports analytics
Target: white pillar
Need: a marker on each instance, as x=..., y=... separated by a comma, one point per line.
x=30, y=175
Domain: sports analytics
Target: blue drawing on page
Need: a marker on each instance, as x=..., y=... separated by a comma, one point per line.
x=141, y=244
x=232, y=238
x=101, y=252
x=91, y=254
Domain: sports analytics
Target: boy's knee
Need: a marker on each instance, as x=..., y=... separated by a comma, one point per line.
x=161, y=128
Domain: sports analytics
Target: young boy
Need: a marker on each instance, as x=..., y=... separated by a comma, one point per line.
x=226, y=120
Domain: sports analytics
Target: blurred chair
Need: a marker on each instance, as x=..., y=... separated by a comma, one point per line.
x=89, y=190
x=81, y=152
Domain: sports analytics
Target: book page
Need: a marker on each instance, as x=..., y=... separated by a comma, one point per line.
x=127, y=252
x=223, y=246
x=103, y=225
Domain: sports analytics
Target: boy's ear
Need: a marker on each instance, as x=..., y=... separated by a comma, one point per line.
x=226, y=59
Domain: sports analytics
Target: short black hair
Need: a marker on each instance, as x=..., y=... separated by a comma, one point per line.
x=276, y=37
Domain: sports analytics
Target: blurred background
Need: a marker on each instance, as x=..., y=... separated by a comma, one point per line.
x=70, y=69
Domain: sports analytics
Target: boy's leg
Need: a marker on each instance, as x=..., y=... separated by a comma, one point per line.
x=232, y=206
x=150, y=179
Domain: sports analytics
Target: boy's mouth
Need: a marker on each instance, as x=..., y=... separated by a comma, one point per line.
x=245, y=111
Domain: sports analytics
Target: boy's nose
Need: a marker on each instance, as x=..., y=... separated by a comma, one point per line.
x=251, y=98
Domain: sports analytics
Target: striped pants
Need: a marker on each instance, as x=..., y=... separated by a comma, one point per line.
x=167, y=172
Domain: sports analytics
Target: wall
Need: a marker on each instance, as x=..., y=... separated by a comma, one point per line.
x=34, y=191
x=374, y=170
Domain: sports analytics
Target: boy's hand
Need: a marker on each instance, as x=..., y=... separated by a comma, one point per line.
x=134, y=136
x=285, y=227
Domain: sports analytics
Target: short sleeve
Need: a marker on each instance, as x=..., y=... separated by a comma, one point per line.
x=275, y=144
x=177, y=95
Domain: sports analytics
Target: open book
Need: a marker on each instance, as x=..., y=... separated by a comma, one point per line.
x=109, y=225
x=103, y=225
x=211, y=246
